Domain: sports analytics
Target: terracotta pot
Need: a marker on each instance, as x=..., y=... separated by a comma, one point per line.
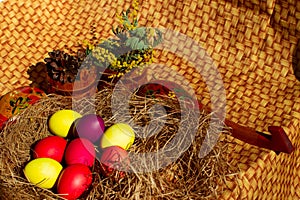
x=107, y=81
x=85, y=86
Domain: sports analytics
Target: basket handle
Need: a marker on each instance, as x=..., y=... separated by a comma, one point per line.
x=277, y=141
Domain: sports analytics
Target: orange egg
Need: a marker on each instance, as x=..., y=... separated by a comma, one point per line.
x=114, y=162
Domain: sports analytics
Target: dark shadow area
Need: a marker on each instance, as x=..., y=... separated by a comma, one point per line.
x=296, y=61
x=284, y=20
x=258, y=7
x=38, y=75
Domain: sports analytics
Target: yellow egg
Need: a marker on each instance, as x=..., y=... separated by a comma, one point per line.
x=61, y=121
x=119, y=134
x=43, y=172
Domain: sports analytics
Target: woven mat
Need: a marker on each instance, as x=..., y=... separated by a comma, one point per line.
x=253, y=44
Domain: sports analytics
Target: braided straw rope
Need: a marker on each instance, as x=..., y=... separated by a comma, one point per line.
x=253, y=44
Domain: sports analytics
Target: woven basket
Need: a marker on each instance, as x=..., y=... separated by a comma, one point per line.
x=253, y=43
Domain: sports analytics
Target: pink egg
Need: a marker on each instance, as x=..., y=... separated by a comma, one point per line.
x=50, y=147
x=80, y=150
x=74, y=181
x=89, y=126
x=114, y=161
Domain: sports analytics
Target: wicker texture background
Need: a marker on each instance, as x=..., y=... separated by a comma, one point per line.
x=253, y=43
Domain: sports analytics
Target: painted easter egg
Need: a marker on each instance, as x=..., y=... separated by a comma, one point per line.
x=50, y=147
x=119, y=134
x=114, y=162
x=89, y=126
x=80, y=150
x=61, y=121
x=74, y=181
x=43, y=172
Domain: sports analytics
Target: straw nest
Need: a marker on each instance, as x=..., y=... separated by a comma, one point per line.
x=188, y=177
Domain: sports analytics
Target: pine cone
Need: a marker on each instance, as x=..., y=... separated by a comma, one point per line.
x=64, y=67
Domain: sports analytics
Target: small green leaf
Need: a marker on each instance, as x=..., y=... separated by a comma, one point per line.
x=141, y=45
x=113, y=30
x=139, y=32
x=132, y=42
x=127, y=11
x=135, y=22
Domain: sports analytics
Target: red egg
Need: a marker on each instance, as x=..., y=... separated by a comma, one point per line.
x=74, y=181
x=114, y=162
x=89, y=126
x=80, y=150
x=50, y=147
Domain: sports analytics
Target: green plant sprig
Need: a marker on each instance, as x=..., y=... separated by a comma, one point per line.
x=131, y=47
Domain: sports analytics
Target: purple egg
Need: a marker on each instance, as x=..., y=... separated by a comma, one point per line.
x=90, y=127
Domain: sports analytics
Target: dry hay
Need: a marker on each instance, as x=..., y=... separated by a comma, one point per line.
x=189, y=177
